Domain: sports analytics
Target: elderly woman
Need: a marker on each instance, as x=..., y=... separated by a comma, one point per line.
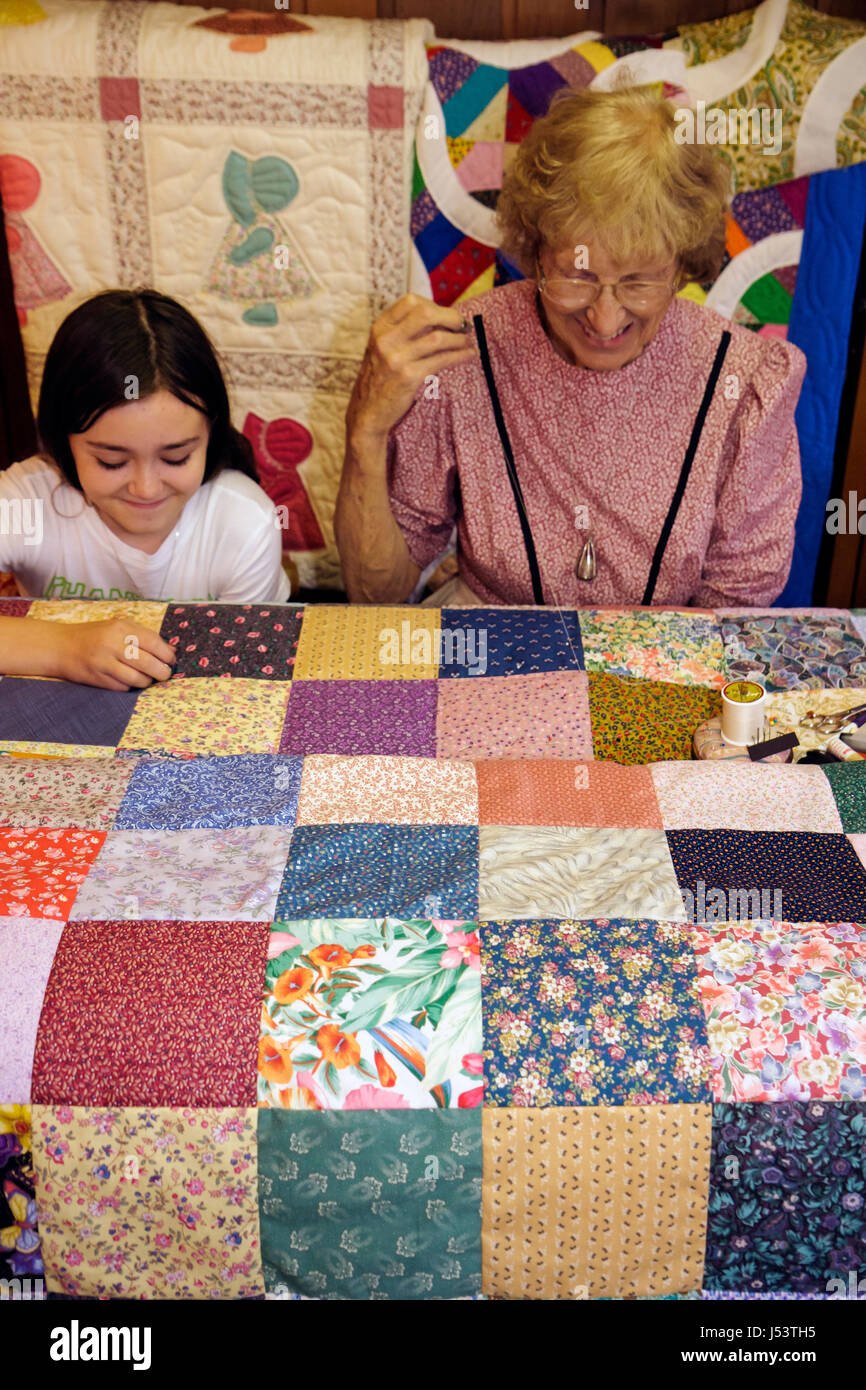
x=596, y=439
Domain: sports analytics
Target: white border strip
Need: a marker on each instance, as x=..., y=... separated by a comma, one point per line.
x=770, y=253
x=826, y=104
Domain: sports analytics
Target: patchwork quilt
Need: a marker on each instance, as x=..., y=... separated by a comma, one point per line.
x=394, y=953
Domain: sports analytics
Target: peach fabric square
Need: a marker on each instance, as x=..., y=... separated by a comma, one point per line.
x=367, y=643
x=858, y=843
x=386, y=791
x=742, y=795
x=545, y=715
x=595, y=1201
x=538, y=792
x=42, y=870
x=158, y=1203
x=214, y=714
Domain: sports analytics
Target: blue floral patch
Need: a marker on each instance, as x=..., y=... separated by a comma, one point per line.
x=591, y=1013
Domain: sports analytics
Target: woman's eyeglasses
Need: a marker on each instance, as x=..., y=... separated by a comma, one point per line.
x=639, y=296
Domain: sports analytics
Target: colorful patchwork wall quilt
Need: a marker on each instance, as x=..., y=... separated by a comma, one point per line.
x=330, y=969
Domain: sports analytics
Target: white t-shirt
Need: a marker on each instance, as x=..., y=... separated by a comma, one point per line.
x=227, y=544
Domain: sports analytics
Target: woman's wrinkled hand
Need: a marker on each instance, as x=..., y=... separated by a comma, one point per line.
x=115, y=654
x=412, y=340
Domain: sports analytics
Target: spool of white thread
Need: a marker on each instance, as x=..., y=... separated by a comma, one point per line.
x=743, y=711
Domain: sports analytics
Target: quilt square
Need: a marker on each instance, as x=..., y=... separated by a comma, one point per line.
x=20, y=1242
x=655, y=644
x=646, y=721
x=365, y=1206
x=357, y=717
x=187, y=875
x=742, y=795
x=404, y=791
x=554, y=792
x=41, y=870
x=372, y=870
x=785, y=650
x=166, y=1204
x=248, y=789
x=591, y=1013
x=553, y=871
x=786, y=1009
x=847, y=782
x=66, y=792
x=40, y=711
x=146, y=614
x=594, y=1201
x=367, y=643
x=256, y=641
x=371, y=1015
x=545, y=716
x=209, y=716
x=731, y=874
x=509, y=641
x=26, y=953
x=787, y=1205
x=152, y=1013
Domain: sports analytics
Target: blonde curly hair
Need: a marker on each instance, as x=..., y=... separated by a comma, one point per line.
x=605, y=166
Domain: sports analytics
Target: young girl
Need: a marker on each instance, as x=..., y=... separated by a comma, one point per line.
x=144, y=491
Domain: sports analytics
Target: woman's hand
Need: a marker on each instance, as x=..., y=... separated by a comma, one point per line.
x=115, y=654
x=412, y=340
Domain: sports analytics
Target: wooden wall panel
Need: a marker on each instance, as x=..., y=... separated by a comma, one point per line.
x=529, y=19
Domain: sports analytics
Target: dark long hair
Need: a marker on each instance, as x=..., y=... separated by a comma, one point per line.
x=141, y=334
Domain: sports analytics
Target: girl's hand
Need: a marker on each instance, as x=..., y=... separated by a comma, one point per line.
x=412, y=340
x=115, y=654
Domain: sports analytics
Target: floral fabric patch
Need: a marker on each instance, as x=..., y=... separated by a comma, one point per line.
x=786, y=1009
x=63, y=792
x=207, y=717
x=591, y=1013
x=787, y=1205
x=258, y=641
x=26, y=954
x=20, y=1243
x=41, y=871
x=655, y=644
x=405, y=791
x=367, y=643
x=156, y=1203
x=187, y=875
x=734, y=795
x=371, y=1015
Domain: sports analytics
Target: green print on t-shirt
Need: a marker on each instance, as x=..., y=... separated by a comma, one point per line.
x=61, y=587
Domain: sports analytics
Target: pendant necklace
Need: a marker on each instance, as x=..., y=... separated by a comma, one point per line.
x=586, y=567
